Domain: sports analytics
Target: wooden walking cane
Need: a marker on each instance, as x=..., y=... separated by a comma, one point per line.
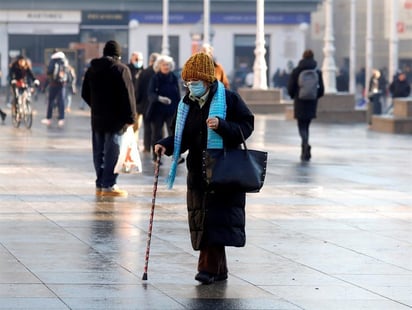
x=149, y=232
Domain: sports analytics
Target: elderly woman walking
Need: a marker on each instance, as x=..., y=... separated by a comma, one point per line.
x=164, y=95
x=209, y=117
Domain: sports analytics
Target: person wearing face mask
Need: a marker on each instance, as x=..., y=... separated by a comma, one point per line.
x=164, y=95
x=136, y=67
x=208, y=117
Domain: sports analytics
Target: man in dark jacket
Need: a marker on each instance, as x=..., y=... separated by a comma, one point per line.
x=136, y=67
x=143, y=100
x=400, y=86
x=108, y=90
x=305, y=109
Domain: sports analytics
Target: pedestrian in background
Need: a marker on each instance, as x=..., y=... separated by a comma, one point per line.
x=108, y=90
x=70, y=85
x=136, y=67
x=164, y=95
x=57, y=79
x=377, y=90
x=3, y=115
x=400, y=87
x=21, y=77
x=209, y=116
x=142, y=101
x=305, y=107
x=220, y=73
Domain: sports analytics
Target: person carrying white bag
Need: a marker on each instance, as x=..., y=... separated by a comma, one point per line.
x=108, y=90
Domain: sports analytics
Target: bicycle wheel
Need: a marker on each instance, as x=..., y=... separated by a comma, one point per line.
x=27, y=114
x=15, y=114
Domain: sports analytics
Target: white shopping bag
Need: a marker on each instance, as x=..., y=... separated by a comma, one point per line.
x=129, y=158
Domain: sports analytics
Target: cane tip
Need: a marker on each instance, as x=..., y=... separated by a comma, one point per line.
x=144, y=278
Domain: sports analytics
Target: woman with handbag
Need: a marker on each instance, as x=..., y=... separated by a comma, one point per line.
x=209, y=117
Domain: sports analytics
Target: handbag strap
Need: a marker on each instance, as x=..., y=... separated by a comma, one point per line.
x=243, y=139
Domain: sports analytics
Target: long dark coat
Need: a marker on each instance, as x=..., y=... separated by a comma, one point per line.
x=304, y=109
x=214, y=218
x=135, y=73
x=165, y=85
x=143, y=82
x=108, y=90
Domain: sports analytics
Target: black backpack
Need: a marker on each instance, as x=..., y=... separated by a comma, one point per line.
x=308, y=82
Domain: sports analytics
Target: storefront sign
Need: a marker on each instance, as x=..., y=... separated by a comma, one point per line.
x=40, y=16
x=404, y=22
x=105, y=18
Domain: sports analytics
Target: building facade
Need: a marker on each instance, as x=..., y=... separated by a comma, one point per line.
x=35, y=28
x=380, y=33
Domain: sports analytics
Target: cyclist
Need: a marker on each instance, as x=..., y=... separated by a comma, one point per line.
x=21, y=76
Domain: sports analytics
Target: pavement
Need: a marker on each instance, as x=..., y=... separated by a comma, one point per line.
x=335, y=233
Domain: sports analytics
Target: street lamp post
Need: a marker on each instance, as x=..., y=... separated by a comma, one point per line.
x=303, y=27
x=329, y=67
x=197, y=34
x=206, y=21
x=165, y=26
x=393, y=39
x=369, y=41
x=133, y=38
x=260, y=67
x=352, y=48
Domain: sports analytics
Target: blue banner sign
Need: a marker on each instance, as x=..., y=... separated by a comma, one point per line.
x=222, y=18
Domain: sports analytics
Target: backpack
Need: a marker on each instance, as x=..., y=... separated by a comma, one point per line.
x=60, y=74
x=308, y=82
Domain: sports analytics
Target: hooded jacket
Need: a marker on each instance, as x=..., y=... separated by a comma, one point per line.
x=304, y=109
x=108, y=90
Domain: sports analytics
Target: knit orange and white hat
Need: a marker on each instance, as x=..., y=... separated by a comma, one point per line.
x=199, y=66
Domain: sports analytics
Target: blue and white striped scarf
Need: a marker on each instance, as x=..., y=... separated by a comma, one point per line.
x=214, y=141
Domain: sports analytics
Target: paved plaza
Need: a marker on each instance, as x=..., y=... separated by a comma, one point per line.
x=332, y=234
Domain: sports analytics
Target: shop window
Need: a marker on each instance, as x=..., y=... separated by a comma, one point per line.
x=155, y=46
x=244, y=58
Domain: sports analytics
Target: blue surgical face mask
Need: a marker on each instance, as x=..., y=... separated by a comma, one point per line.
x=197, y=89
x=138, y=64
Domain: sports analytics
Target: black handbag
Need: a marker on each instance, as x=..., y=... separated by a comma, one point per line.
x=240, y=170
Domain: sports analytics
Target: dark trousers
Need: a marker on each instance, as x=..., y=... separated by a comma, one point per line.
x=105, y=155
x=56, y=93
x=212, y=259
x=376, y=104
x=303, y=127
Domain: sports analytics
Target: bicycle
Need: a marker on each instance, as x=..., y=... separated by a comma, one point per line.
x=21, y=110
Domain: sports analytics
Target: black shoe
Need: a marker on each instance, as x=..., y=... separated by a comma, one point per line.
x=205, y=277
x=208, y=278
x=3, y=116
x=221, y=277
x=305, y=155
